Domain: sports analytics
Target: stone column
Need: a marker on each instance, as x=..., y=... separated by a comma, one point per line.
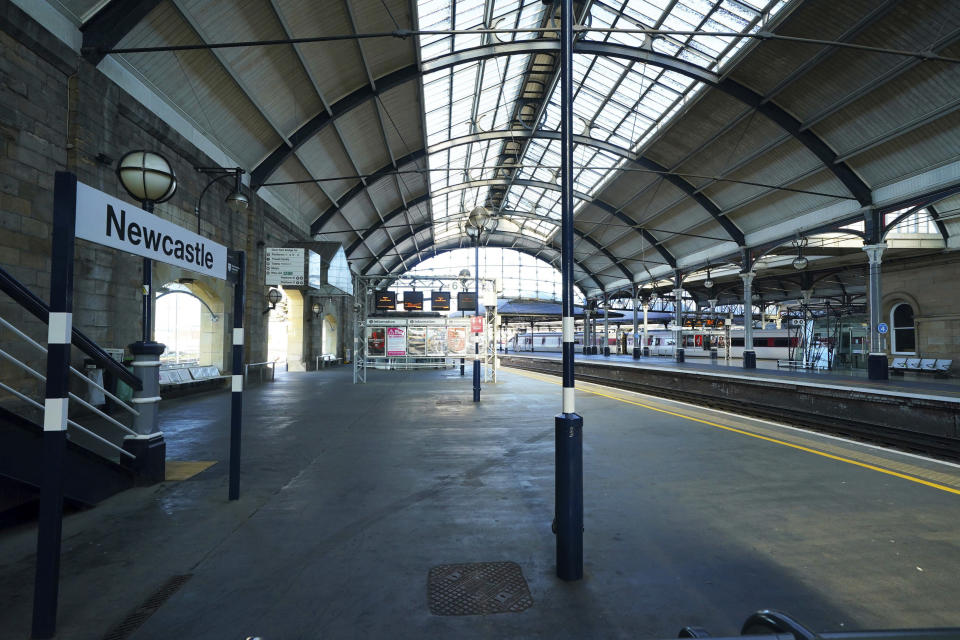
x=646, y=346
x=606, y=325
x=678, y=312
x=713, y=316
x=749, y=355
x=877, y=360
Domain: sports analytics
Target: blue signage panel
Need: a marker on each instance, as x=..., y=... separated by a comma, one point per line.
x=882, y=327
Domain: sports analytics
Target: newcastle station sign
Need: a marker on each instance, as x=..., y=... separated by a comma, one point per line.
x=105, y=220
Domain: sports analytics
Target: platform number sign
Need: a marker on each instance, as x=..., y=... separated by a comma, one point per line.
x=882, y=328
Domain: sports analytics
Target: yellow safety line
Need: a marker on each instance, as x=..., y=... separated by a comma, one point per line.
x=759, y=437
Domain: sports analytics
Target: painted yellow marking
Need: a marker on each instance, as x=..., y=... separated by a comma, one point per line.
x=178, y=470
x=755, y=435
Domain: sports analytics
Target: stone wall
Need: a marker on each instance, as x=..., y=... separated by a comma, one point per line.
x=58, y=113
x=929, y=285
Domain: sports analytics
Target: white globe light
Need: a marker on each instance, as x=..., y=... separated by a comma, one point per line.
x=147, y=176
x=800, y=263
x=478, y=218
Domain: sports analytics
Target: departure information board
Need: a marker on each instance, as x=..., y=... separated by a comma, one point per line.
x=466, y=301
x=386, y=301
x=439, y=301
x=413, y=300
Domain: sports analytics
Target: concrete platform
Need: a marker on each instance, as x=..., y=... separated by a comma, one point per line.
x=351, y=494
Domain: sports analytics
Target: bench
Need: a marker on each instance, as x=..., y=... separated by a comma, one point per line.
x=940, y=367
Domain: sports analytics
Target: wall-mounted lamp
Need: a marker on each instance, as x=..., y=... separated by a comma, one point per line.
x=317, y=309
x=237, y=200
x=273, y=297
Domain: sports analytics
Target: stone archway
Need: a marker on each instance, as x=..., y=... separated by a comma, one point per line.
x=329, y=341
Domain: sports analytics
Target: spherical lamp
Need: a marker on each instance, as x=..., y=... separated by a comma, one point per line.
x=147, y=176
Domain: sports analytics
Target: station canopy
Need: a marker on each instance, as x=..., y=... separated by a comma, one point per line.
x=702, y=127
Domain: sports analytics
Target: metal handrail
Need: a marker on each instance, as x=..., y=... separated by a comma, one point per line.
x=29, y=301
x=80, y=375
x=36, y=374
x=273, y=369
x=36, y=404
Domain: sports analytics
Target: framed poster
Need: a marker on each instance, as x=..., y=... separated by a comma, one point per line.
x=416, y=341
x=437, y=341
x=396, y=341
x=375, y=341
x=457, y=340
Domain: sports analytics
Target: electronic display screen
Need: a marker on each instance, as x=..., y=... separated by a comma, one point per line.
x=440, y=301
x=386, y=301
x=413, y=300
x=466, y=301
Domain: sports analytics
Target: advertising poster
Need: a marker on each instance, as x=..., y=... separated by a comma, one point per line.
x=437, y=341
x=457, y=340
x=375, y=341
x=416, y=341
x=396, y=341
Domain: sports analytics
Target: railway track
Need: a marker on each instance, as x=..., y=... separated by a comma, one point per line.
x=941, y=447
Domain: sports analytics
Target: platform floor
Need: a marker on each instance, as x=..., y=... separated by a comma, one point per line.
x=923, y=384
x=351, y=493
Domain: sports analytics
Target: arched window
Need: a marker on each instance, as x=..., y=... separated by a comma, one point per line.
x=902, y=330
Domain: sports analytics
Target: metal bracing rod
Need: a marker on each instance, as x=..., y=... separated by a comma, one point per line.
x=406, y=33
x=87, y=380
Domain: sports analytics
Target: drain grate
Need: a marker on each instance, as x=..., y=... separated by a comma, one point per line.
x=477, y=589
x=449, y=401
x=149, y=606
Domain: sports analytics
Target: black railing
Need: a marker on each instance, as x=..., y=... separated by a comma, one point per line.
x=26, y=299
x=776, y=625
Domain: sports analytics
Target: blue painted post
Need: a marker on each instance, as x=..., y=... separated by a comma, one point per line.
x=568, y=425
x=236, y=397
x=56, y=404
x=476, y=336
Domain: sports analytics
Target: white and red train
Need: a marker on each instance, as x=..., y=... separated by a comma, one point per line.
x=769, y=344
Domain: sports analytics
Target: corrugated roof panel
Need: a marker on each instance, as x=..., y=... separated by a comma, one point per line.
x=325, y=158
x=336, y=66
x=360, y=133
x=923, y=148
x=779, y=206
x=926, y=93
x=273, y=76
x=378, y=16
x=194, y=83
x=401, y=111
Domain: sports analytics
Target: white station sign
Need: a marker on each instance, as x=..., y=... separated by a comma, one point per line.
x=106, y=220
x=285, y=266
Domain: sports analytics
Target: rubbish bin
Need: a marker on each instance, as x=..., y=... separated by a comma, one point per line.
x=95, y=374
x=346, y=356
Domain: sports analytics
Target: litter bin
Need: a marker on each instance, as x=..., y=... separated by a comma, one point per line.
x=95, y=374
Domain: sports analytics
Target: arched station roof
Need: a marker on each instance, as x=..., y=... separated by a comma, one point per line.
x=795, y=117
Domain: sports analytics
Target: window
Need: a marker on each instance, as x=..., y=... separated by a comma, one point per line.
x=903, y=332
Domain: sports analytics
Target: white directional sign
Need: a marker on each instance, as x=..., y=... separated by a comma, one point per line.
x=285, y=266
x=106, y=220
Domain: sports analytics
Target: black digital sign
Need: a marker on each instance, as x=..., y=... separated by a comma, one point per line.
x=386, y=301
x=467, y=301
x=413, y=300
x=439, y=301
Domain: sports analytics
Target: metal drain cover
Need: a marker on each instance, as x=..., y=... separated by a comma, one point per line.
x=477, y=589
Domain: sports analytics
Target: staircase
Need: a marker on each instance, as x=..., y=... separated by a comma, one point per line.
x=96, y=465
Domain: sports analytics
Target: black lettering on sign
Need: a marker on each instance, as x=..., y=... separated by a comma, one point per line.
x=118, y=225
x=189, y=255
x=133, y=232
x=167, y=242
x=178, y=249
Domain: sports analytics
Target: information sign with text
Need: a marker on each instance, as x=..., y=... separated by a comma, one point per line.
x=109, y=221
